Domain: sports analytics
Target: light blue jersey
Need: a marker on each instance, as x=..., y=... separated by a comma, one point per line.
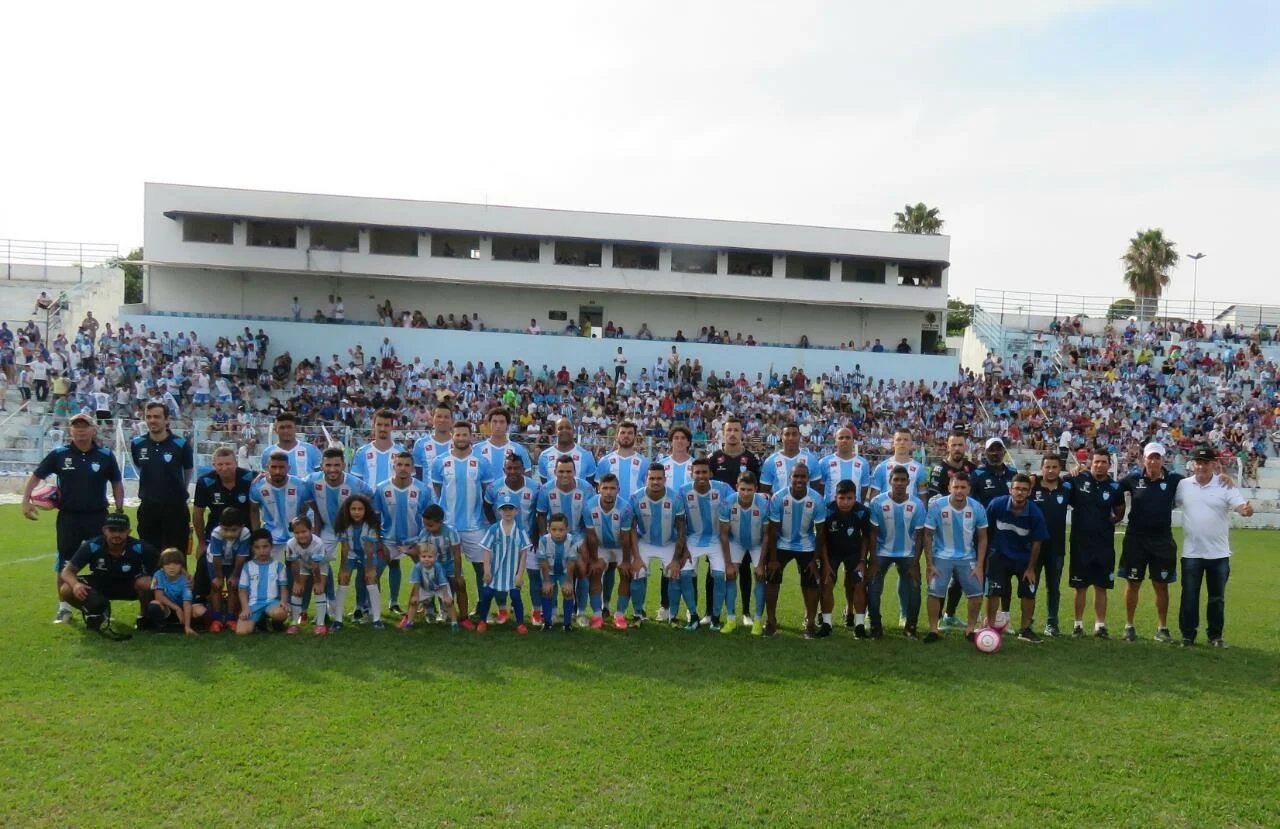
x=833, y=469
x=557, y=553
x=916, y=472
x=702, y=512
x=526, y=498
x=176, y=590
x=372, y=465
x=225, y=549
x=609, y=524
x=361, y=543
x=401, y=510
x=497, y=455
x=445, y=541
x=796, y=520
x=746, y=524
x=896, y=524
x=630, y=471
x=278, y=505
x=573, y=503
x=462, y=483
x=425, y=451
x=506, y=554
x=303, y=459
x=954, y=529
x=655, y=521
x=429, y=581
x=679, y=473
x=328, y=500
x=584, y=463
x=263, y=580
x=775, y=471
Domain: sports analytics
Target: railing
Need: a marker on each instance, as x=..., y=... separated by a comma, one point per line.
x=1020, y=306
x=55, y=254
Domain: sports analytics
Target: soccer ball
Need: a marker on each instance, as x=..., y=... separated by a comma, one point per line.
x=987, y=640
x=46, y=496
x=1001, y=622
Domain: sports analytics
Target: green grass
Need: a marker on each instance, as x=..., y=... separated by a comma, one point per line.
x=643, y=728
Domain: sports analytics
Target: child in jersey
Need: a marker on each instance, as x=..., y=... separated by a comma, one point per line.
x=448, y=544
x=428, y=581
x=308, y=555
x=558, y=561
x=227, y=552
x=359, y=532
x=505, y=545
x=264, y=587
x=172, y=589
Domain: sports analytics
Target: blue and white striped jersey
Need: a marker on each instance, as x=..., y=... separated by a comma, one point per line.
x=372, y=465
x=226, y=549
x=445, y=540
x=496, y=455
x=573, y=503
x=263, y=580
x=328, y=499
x=584, y=463
x=797, y=519
x=609, y=524
x=896, y=524
x=430, y=580
x=833, y=469
x=278, y=505
x=655, y=521
x=506, y=554
x=425, y=451
x=556, y=553
x=918, y=472
x=775, y=471
x=954, y=529
x=679, y=473
x=303, y=459
x=462, y=483
x=702, y=512
x=746, y=524
x=401, y=510
x=630, y=470
x=526, y=501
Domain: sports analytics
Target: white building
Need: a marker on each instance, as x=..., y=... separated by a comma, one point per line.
x=216, y=250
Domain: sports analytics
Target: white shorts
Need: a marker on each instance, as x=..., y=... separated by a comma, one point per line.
x=713, y=554
x=738, y=553
x=442, y=593
x=663, y=553
x=609, y=556
x=471, y=549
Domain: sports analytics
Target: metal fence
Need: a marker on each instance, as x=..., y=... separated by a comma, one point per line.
x=55, y=254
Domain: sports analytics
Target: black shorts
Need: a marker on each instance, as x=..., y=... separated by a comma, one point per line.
x=802, y=560
x=849, y=561
x=1156, y=551
x=1093, y=547
x=1089, y=572
x=75, y=528
x=165, y=525
x=115, y=588
x=1003, y=573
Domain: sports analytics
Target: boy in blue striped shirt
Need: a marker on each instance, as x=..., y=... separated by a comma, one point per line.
x=558, y=560
x=264, y=587
x=505, y=545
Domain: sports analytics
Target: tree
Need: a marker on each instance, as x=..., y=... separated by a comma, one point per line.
x=132, y=275
x=918, y=218
x=1147, y=263
x=1121, y=309
x=959, y=316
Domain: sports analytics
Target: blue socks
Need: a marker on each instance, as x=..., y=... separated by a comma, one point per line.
x=717, y=593
x=639, y=587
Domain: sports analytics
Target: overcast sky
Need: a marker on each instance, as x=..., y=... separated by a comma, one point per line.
x=1047, y=132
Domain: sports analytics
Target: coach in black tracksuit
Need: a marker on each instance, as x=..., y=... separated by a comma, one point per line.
x=727, y=463
x=1148, y=543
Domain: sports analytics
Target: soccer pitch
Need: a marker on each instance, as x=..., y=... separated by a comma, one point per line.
x=646, y=727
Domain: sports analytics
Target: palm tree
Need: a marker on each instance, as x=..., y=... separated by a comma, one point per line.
x=918, y=218
x=1147, y=263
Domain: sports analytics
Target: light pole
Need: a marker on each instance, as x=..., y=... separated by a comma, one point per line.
x=1195, y=278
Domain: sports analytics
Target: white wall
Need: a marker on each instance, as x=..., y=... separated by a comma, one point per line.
x=311, y=339
x=234, y=292
x=44, y=274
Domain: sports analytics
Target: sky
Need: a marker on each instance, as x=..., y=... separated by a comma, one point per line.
x=1047, y=132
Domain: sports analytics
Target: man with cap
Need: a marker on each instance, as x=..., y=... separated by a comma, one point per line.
x=83, y=469
x=1148, y=544
x=989, y=481
x=1206, y=499
x=120, y=568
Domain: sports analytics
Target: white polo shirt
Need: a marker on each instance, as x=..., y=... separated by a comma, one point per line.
x=1205, y=510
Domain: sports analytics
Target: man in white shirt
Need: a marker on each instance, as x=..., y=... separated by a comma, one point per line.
x=1206, y=552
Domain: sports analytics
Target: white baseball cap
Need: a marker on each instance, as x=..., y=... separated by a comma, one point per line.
x=1153, y=448
x=995, y=442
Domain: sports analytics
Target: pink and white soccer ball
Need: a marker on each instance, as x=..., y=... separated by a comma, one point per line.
x=987, y=640
x=46, y=496
x=1001, y=622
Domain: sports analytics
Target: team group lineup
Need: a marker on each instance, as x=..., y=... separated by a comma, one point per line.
x=570, y=527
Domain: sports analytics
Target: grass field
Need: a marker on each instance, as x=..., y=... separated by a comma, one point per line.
x=644, y=728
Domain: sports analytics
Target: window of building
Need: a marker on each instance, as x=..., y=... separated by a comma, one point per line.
x=816, y=268
x=273, y=235
x=920, y=276
x=392, y=241
x=213, y=231
x=866, y=272
x=693, y=260
x=329, y=236
x=515, y=249
x=636, y=257
x=582, y=254
x=455, y=245
x=750, y=264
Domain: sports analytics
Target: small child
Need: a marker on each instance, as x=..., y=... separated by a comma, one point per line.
x=360, y=533
x=558, y=561
x=264, y=587
x=448, y=545
x=505, y=545
x=227, y=551
x=429, y=581
x=307, y=554
x=172, y=589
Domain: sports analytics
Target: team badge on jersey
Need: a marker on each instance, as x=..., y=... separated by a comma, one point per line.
x=1163, y=485
x=95, y=466
x=1061, y=499
x=168, y=457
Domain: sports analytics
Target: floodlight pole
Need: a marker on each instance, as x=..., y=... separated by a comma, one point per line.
x=1195, y=279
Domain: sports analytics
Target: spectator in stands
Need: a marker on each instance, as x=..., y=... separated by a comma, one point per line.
x=751, y=339
x=44, y=302
x=533, y=327
x=610, y=331
x=571, y=328
x=296, y=310
x=477, y=324
x=386, y=314
x=878, y=348
x=339, y=311
x=680, y=336
x=804, y=340
x=644, y=333
x=904, y=347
